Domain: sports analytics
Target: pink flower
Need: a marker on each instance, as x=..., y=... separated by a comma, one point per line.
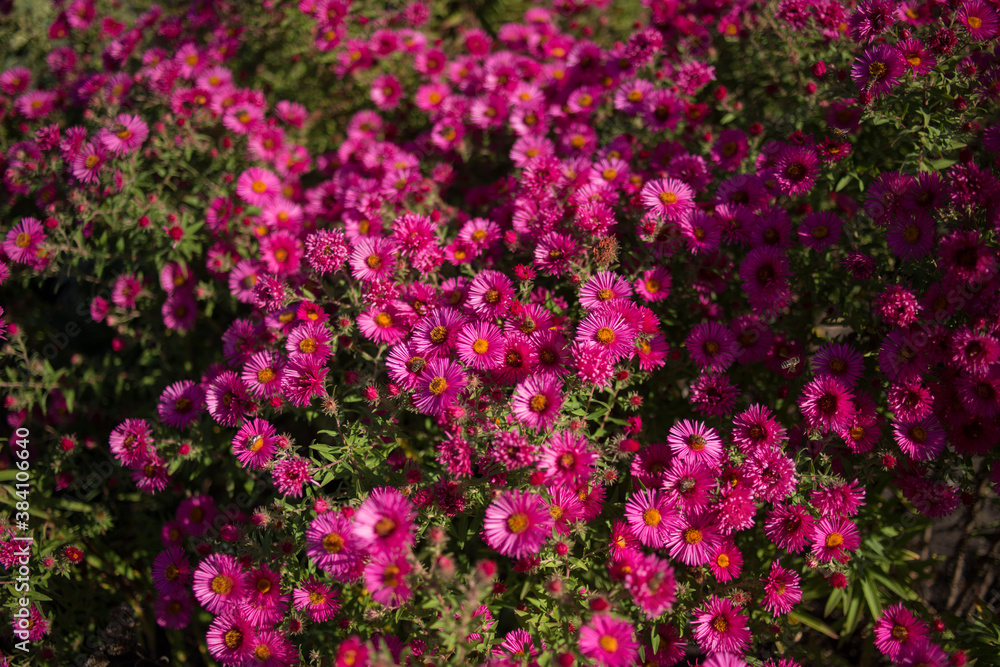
x=719, y=626
x=23, y=242
x=332, y=545
x=385, y=578
x=694, y=441
x=125, y=136
x=897, y=629
x=781, y=590
x=669, y=198
x=219, y=583
x=652, y=585
x=832, y=537
x=609, y=641
x=536, y=402
x=649, y=517
x=384, y=522
x=827, y=404
x=438, y=386
x=257, y=186
x=567, y=459
x=517, y=524
x=691, y=539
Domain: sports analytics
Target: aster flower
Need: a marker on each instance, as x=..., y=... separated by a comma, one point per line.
x=609, y=641
x=832, y=537
x=171, y=571
x=921, y=440
x=517, y=524
x=654, y=284
x=979, y=18
x=384, y=522
x=173, y=611
x=373, y=258
x=918, y=60
x=652, y=585
x=691, y=538
x=219, y=583
x=781, y=590
x=255, y=444
x=257, y=186
x=826, y=404
x=713, y=394
x=316, y=599
x=264, y=604
x=764, y=273
x=795, y=170
x=23, y=242
x=180, y=404
x=878, y=69
x=131, y=442
x=490, y=293
x=668, y=198
x=840, y=361
x=689, y=483
x=790, y=527
x=923, y=653
x=694, y=441
x=332, y=545
x=604, y=287
x=567, y=459
x=438, y=386
x=771, y=474
x=536, y=402
x=719, y=626
x=125, y=136
x=227, y=398
x=871, y=18
x=649, y=515
x=383, y=325
x=897, y=628
x=386, y=578
x=231, y=639
x=712, y=346
x=820, y=231
x=725, y=560
x=262, y=374
x=608, y=331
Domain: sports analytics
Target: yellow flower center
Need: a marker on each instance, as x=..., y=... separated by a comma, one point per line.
x=222, y=584
x=260, y=187
x=692, y=536
x=383, y=320
x=518, y=522
x=233, y=638
x=834, y=540
x=668, y=198
x=333, y=543
x=385, y=527
x=539, y=403
x=651, y=517
x=480, y=346
x=23, y=240
x=438, y=386
x=608, y=643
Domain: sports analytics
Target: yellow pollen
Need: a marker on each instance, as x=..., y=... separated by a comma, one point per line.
x=383, y=320
x=260, y=187
x=651, y=517
x=91, y=161
x=385, y=527
x=480, y=346
x=692, y=536
x=333, y=543
x=307, y=346
x=438, y=386
x=266, y=375
x=834, y=540
x=668, y=198
x=263, y=584
x=517, y=523
x=539, y=403
x=439, y=335
x=605, y=294
x=605, y=336
x=722, y=560
x=222, y=584
x=256, y=444
x=608, y=643
x=23, y=240
x=233, y=638
x=720, y=623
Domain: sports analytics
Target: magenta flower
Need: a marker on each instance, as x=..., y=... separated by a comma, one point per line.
x=385, y=578
x=669, y=198
x=384, y=522
x=896, y=629
x=609, y=641
x=834, y=536
x=536, y=402
x=219, y=583
x=781, y=590
x=257, y=186
x=125, y=136
x=827, y=404
x=567, y=459
x=517, y=524
x=649, y=515
x=332, y=545
x=878, y=69
x=438, y=387
x=719, y=626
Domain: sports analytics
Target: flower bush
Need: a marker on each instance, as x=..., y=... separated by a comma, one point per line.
x=344, y=333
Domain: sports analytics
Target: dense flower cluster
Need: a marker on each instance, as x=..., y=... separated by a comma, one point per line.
x=545, y=340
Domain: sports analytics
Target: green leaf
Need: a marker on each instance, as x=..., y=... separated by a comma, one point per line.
x=809, y=620
x=871, y=597
x=853, y=613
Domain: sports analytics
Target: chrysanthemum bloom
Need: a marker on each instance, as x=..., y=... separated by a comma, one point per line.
x=979, y=18
x=536, y=402
x=725, y=560
x=974, y=352
x=781, y=590
x=871, y=18
x=383, y=325
x=516, y=643
x=567, y=459
x=649, y=515
x=23, y=242
x=226, y=398
x=604, y=287
x=219, y=583
x=827, y=404
x=171, y=571
x=316, y=599
x=257, y=186
x=719, y=626
x=897, y=628
x=652, y=585
x=839, y=360
x=609, y=641
x=608, y=331
x=668, y=198
x=833, y=536
x=755, y=428
x=517, y=524
x=691, y=539
x=255, y=444
x=924, y=653
x=384, y=522
x=839, y=499
x=264, y=604
x=331, y=544
x=326, y=250
x=694, y=441
x=281, y=252
x=918, y=59
x=878, y=70
x=713, y=394
x=126, y=135
x=180, y=404
x=130, y=442
x=438, y=387
x=230, y=639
